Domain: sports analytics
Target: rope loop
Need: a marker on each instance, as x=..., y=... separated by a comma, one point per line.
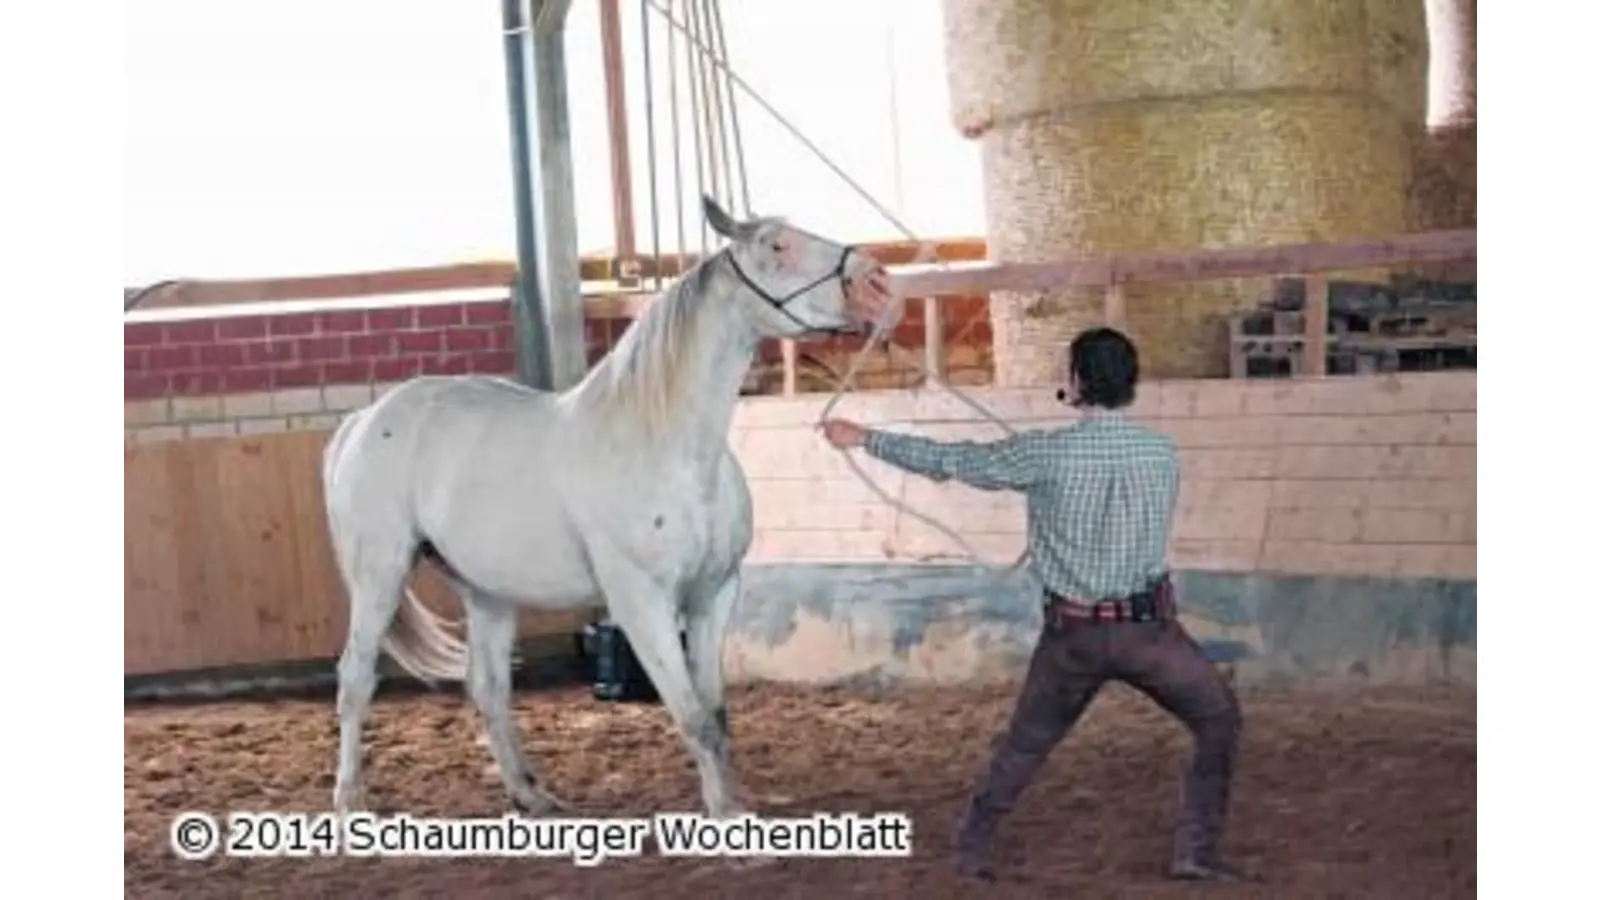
x=706, y=101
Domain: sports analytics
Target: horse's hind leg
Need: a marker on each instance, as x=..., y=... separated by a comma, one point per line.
x=491, y=633
x=375, y=578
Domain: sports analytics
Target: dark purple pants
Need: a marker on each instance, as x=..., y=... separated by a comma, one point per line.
x=1071, y=662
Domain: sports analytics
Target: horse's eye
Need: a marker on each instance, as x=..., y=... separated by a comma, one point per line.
x=777, y=246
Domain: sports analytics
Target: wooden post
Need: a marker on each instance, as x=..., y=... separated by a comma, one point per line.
x=627, y=271
x=791, y=375
x=1116, y=309
x=933, y=349
x=1316, y=319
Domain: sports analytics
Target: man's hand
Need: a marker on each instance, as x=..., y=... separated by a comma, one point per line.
x=843, y=433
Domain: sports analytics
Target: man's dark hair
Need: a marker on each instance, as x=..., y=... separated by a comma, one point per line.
x=1104, y=367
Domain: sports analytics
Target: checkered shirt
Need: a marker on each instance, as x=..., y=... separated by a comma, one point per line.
x=1100, y=495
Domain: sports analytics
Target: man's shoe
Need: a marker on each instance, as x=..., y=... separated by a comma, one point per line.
x=1189, y=870
x=971, y=842
x=974, y=867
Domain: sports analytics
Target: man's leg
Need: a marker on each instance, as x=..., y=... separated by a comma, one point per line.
x=1165, y=663
x=1063, y=676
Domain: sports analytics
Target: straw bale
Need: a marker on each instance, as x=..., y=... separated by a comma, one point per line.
x=1444, y=187
x=1012, y=59
x=1170, y=175
x=1397, y=57
x=1443, y=193
x=1179, y=124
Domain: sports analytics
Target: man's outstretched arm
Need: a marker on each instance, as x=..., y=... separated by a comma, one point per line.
x=1013, y=463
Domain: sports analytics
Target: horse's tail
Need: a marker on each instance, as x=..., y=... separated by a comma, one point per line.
x=425, y=644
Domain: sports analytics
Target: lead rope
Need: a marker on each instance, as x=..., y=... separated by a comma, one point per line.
x=927, y=251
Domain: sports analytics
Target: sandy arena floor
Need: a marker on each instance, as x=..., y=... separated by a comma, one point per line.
x=1369, y=795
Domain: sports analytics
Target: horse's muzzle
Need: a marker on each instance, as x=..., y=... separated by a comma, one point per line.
x=869, y=298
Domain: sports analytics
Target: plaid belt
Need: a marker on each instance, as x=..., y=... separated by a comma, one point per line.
x=1153, y=604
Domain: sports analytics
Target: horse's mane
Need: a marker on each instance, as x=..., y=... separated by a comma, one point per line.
x=641, y=379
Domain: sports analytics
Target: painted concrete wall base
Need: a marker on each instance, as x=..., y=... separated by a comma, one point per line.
x=876, y=625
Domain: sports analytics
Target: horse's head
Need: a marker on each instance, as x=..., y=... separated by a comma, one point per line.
x=801, y=283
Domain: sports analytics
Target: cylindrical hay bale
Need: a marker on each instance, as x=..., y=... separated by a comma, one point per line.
x=1444, y=190
x=1145, y=125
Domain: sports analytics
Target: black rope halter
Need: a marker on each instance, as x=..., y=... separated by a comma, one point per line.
x=781, y=303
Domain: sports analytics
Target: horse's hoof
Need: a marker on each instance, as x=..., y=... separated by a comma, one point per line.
x=537, y=801
x=346, y=802
x=736, y=863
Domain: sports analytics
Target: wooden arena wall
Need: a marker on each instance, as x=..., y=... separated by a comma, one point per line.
x=1326, y=524
x=1326, y=532
x=227, y=559
x=1373, y=476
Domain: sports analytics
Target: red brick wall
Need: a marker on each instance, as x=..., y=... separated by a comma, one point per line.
x=247, y=353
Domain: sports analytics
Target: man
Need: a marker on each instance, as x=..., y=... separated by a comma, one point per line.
x=1100, y=496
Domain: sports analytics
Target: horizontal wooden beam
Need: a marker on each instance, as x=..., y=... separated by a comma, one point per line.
x=462, y=276
x=962, y=271
x=617, y=305
x=1200, y=265
x=977, y=278
x=465, y=276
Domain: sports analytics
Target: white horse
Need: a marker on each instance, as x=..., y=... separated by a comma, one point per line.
x=622, y=489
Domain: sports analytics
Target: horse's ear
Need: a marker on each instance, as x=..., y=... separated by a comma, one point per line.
x=720, y=220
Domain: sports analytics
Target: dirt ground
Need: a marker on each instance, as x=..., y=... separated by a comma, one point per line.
x=1369, y=794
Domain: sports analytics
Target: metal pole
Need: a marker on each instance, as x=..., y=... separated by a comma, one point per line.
x=617, y=124
x=549, y=312
x=561, y=278
x=677, y=140
x=695, y=116
x=650, y=131
x=730, y=106
x=528, y=315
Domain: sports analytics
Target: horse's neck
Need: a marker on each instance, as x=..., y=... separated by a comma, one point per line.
x=717, y=372
x=723, y=346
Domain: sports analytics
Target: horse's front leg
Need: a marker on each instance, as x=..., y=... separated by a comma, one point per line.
x=647, y=614
x=708, y=612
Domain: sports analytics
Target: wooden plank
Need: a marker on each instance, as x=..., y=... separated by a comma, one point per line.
x=256, y=559
x=933, y=349
x=791, y=368
x=1116, y=310
x=1269, y=339
x=321, y=611
x=629, y=305
x=1364, y=342
x=985, y=277
x=205, y=596
x=228, y=560
x=955, y=277
x=152, y=572
x=1316, y=326
x=463, y=276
